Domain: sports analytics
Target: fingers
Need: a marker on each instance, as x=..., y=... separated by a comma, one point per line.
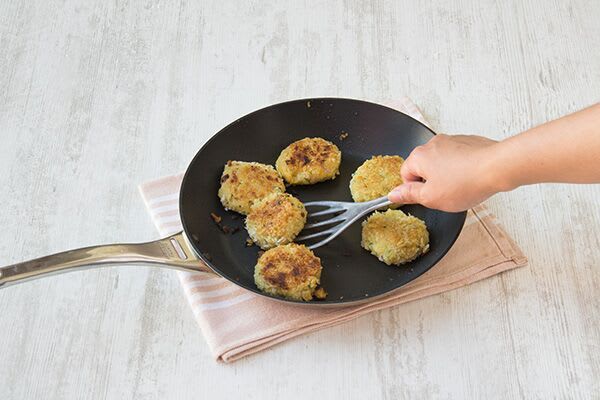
x=413, y=176
x=411, y=170
x=408, y=174
x=407, y=193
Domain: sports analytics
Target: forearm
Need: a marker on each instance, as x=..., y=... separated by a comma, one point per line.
x=454, y=173
x=564, y=150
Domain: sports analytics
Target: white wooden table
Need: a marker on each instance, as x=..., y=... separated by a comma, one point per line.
x=97, y=96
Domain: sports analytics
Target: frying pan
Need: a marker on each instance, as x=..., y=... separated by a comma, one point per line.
x=350, y=274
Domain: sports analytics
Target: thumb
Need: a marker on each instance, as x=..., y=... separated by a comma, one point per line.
x=407, y=193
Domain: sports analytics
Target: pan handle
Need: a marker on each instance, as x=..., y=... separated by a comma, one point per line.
x=170, y=252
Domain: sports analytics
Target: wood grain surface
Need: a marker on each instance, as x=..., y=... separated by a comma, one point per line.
x=97, y=96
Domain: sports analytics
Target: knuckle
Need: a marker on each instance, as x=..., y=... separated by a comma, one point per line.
x=417, y=152
x=427, y=198
x=438, y=139
x=410, y=190
x=415, y=194
x=426, y=201
x=405, y=168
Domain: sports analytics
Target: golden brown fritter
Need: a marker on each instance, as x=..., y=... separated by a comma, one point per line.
x=275, y=220
x=244, y=183
x=376, y=178
x=291, y=271
x=394, y=237
x=309, y=160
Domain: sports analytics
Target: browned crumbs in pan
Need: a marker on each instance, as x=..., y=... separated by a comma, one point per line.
x=223, y=228
x=216, y=218
x=229, y=230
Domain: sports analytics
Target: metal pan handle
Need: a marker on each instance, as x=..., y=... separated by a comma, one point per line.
x=170, y=252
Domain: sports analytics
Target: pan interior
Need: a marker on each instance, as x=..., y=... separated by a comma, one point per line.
x=349, y=272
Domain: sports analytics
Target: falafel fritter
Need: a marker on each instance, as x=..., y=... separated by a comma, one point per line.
x=275, y=220
x=244, y=183
x=376, y=178
x=394, y=237
x=309, y=160
x=291, y=271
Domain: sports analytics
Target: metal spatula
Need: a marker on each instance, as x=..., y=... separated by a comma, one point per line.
x=343, y=214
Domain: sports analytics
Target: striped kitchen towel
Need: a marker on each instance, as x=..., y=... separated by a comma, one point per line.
x=236, y=322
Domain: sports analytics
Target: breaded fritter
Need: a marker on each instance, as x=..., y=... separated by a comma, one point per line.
x=244, y=183
x=275, y=220
x=309, y=160
x=291, y=271
x=394, y=237
x=376, y=178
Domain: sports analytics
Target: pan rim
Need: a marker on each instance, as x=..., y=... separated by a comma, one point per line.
x=318, y=303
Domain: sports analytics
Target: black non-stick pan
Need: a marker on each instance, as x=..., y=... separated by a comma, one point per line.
x=350, y=274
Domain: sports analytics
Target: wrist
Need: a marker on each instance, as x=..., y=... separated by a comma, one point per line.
x=501, y=172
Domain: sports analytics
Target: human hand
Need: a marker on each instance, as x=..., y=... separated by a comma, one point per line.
x=449, y=173
x=454, y=173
